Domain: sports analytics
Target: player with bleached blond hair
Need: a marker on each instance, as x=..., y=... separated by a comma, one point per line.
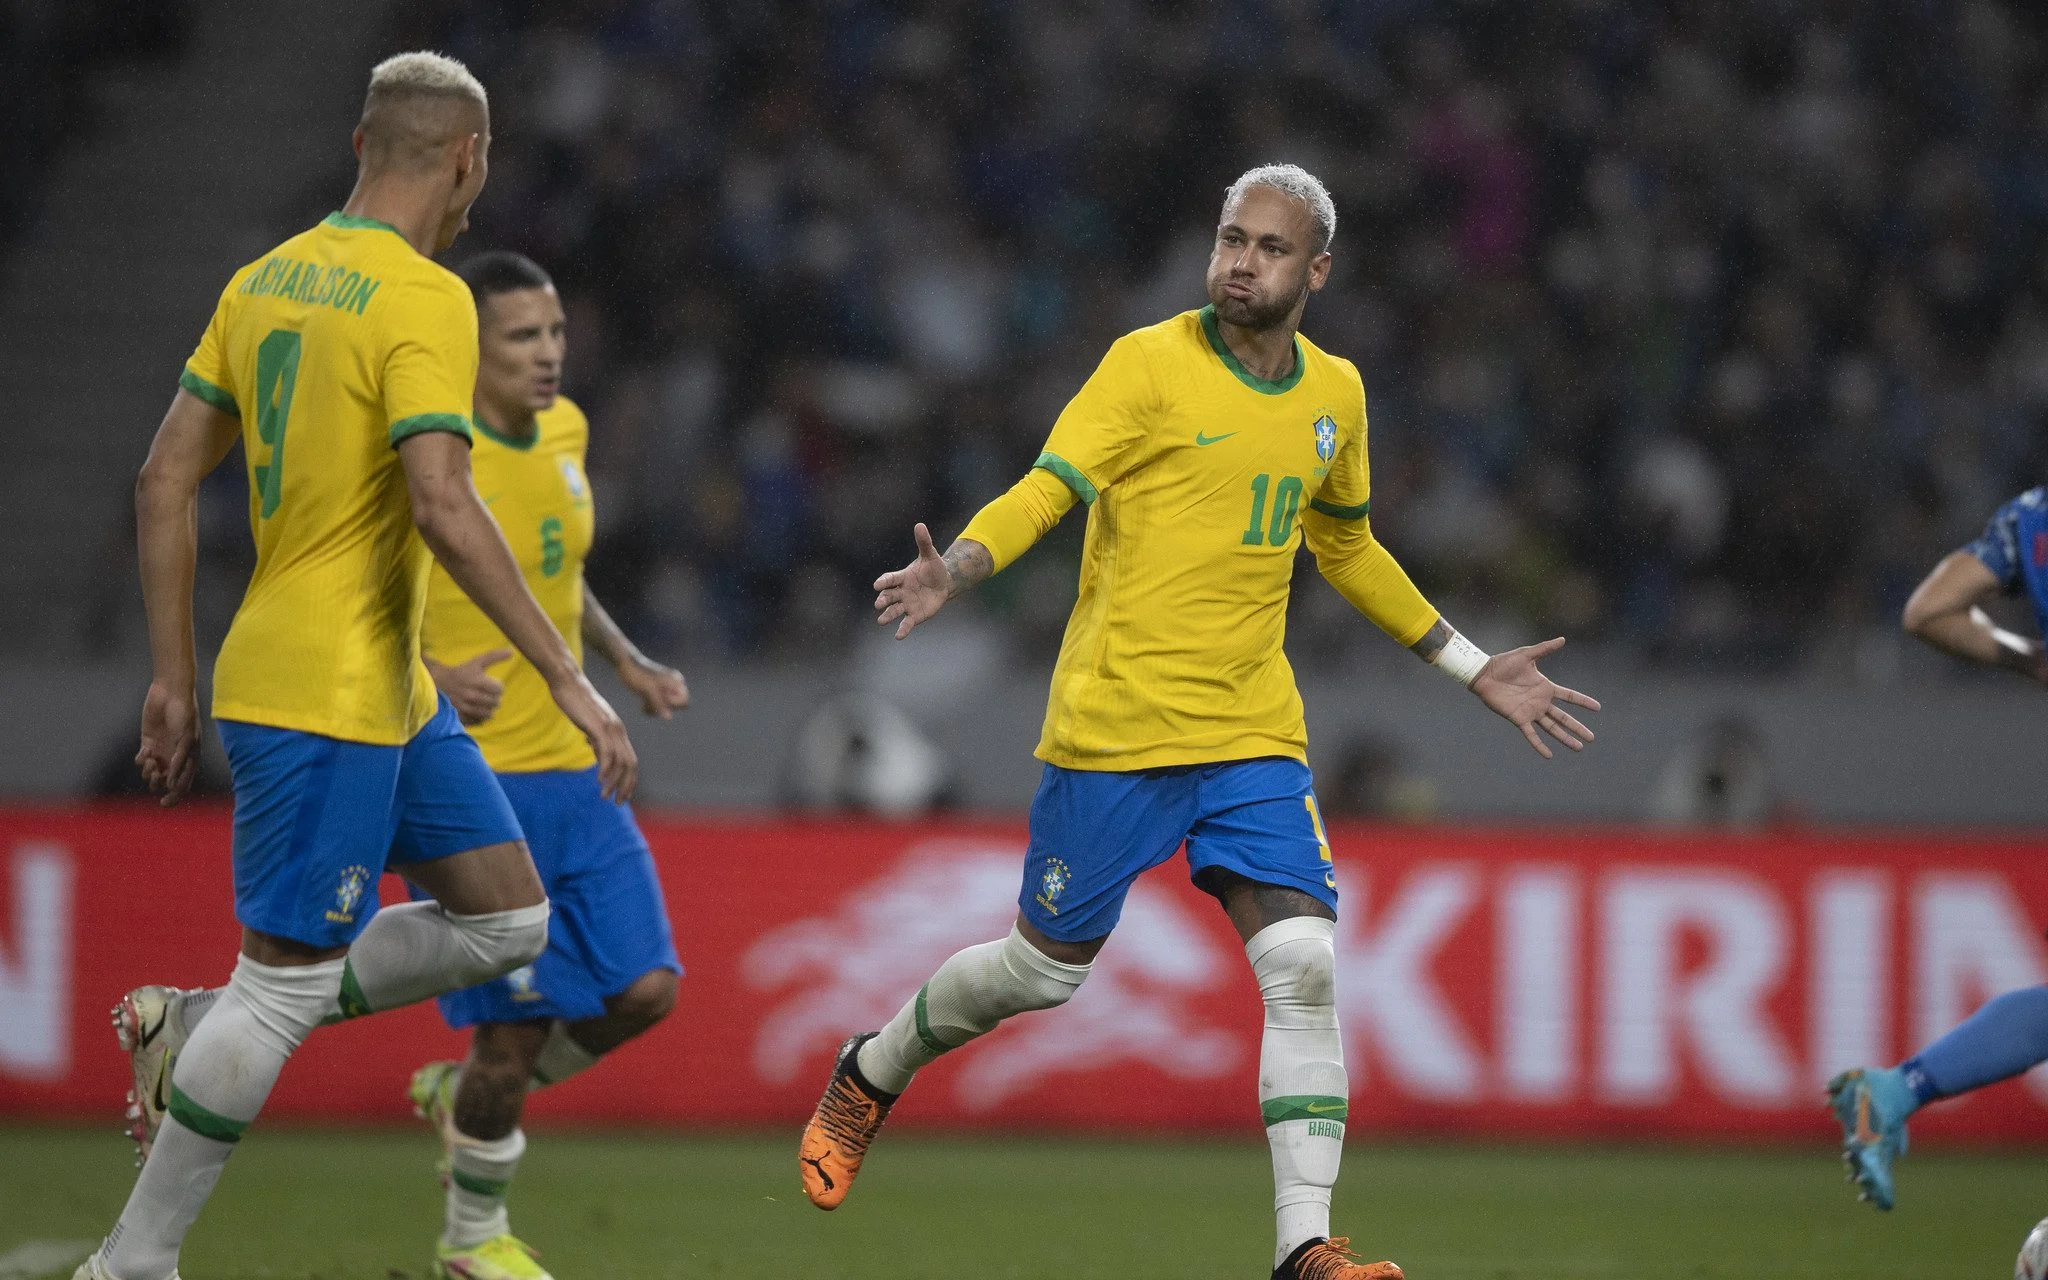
x=1207, y=449
x=344, y=361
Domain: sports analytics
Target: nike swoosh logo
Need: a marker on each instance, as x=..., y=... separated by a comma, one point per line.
x=819, y=1165
x=1317, y=1108
x=163, y=1075
x=1864, y=1133
x=1201, y=439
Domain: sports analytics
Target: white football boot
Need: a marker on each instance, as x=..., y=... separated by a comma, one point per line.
x=149, y=1023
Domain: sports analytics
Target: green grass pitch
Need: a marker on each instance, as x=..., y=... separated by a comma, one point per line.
x=300, y=1204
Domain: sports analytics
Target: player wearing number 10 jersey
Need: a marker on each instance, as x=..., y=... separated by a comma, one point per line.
x=344, y=362
x=1207, y=448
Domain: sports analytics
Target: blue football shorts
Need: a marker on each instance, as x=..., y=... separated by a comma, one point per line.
x=1093, y=834
x=318, y=820
x=608, y=926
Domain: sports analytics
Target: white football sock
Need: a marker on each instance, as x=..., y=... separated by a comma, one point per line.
x=219, y=1083
x=560, y=1057
x=1303, y=1091
x=479, y=1175
x=420, y=949
x=973, y=991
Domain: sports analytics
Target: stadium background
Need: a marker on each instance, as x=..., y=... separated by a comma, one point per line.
x=1694, y=331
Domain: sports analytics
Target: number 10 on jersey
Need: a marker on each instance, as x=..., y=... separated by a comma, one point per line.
x=1286, y=505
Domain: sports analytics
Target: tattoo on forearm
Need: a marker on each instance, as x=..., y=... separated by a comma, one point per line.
x=1432, y=642
x=967, y=563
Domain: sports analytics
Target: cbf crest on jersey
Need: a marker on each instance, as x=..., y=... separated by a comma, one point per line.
x=572, y=477
x=1326, y=438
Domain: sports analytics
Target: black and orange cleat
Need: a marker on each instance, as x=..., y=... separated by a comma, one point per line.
x=846, y=1121
x=1332, y=1259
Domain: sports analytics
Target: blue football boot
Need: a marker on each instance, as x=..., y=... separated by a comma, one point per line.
x=1872, y=1106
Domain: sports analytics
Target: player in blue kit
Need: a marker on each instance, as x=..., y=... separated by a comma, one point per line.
x=2009, y=1034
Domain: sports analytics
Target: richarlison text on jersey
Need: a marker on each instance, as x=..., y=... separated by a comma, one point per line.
x=335, y=286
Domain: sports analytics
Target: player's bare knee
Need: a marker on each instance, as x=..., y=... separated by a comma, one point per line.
x=647, y=1001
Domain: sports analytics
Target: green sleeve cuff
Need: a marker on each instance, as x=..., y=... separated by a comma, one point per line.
x=1340, y=513
x=1068, y=472
x=454, y=424
x=206, y=391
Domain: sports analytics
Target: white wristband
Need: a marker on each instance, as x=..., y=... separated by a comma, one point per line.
x=1460, y=659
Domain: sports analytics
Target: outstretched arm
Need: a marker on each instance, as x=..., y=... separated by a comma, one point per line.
x=1000, y=532
x=191, y=441
x=1944, y=612
x=463, y=537
x=661, y=689
x=1510, y=685
x=1366, y=574
x=918, y=590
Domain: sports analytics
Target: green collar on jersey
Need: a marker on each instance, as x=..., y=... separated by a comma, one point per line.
x=510, y=442
x=355, y=222
x=1264, y=386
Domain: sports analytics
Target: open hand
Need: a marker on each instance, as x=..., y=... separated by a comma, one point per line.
x=1511, y=685
x=915, y=592
x=474, y=691
x=661, y=689
x=169, y=756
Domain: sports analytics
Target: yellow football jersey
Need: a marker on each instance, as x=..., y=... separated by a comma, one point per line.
x=1201, y=481
x=537, y=490
x=332, y=348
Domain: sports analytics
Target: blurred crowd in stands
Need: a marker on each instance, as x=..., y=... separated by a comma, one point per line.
x=1703, y=327
x=45, y=47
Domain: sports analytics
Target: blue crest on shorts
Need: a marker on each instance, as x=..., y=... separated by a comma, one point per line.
x=1326, y=438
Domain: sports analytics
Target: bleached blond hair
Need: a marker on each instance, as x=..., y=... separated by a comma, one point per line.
x=427, y=74
x=1293, y=180
x=417, y=104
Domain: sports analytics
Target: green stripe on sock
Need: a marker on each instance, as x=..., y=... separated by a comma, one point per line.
x=203, y=1122
x=1304, y=1106
x=924, y=1025
x=480, y=1186
x=353, y=1004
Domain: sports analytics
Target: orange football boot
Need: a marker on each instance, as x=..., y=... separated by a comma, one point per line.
x=846, y=1121
x=1332, y=1260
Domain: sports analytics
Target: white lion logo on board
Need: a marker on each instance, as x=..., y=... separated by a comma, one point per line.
x=855, y=968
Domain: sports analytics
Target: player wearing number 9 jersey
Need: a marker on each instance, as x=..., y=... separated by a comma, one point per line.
x=344, y=362
x=342, y=342
x=1207, y=448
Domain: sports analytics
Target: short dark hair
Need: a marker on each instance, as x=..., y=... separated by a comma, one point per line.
x=502, y=271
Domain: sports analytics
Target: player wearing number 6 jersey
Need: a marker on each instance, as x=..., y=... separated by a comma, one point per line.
x=1207, y=449
x=609, y=971
x=344, y=361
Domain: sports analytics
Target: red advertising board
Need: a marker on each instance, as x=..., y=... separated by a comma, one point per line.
x=1490, y=982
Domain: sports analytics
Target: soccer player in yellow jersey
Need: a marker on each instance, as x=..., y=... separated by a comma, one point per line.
x=344, y=360
x=1207, y=449
x=609, y=971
